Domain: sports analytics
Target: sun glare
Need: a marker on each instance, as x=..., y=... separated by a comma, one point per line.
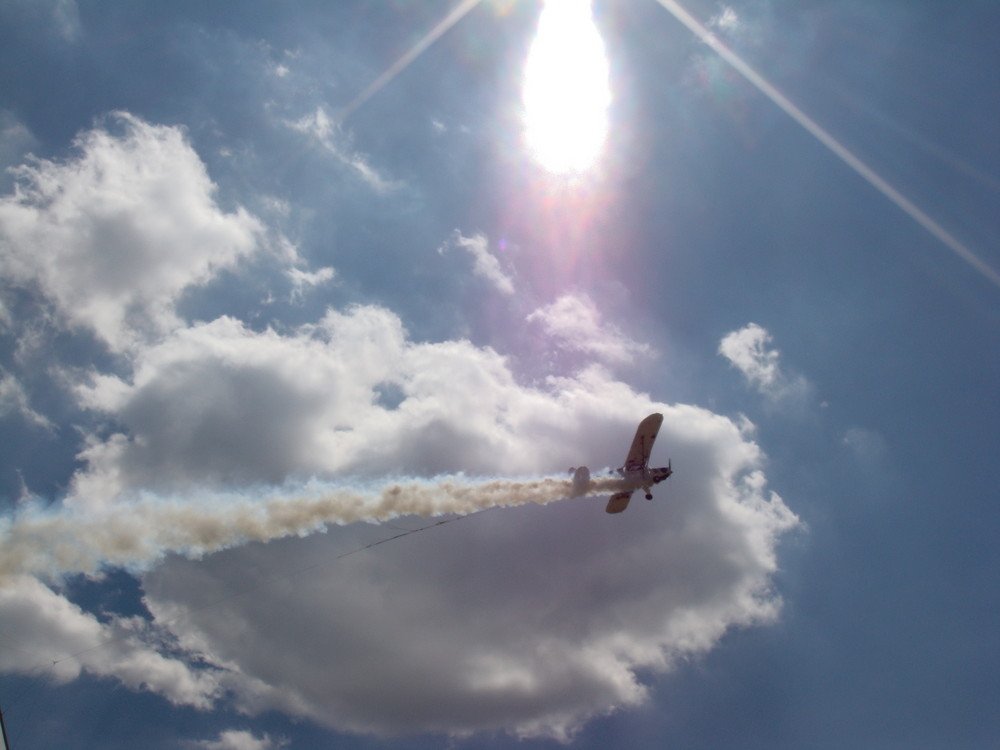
x=566, y=89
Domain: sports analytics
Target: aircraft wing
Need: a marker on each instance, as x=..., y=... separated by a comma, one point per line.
x=618, y=502
x=642, y=443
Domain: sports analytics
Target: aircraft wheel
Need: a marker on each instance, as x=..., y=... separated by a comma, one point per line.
x=649, y=496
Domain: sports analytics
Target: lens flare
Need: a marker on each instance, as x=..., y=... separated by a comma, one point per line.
x=566, y=89
x=456, y=15
x=839, y=150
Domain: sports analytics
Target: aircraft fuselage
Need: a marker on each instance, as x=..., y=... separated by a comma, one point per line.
x=643, y=478
x=635, y=472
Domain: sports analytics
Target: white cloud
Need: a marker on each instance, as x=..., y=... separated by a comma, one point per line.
x=323, y=128
x=505, y=621
x=726, y=19
x=239, y=739
x=302, y=281
x=486, y=265
x=751, y=29
x=13, y=400
x=575, y=324
x=318, y=124
x=114, y=235
x=513, y=624
x=46, y=633
x=218, y=403
x=530, y=620
x=749, y=351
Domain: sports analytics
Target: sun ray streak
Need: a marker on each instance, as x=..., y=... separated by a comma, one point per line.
x=838, y=149
x=456, y=15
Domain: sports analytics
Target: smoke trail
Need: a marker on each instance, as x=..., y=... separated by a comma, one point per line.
x=138, y=533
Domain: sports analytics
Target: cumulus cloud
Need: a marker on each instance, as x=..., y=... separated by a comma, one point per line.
x=45, y=633
x=511, y=623
x=113, y=235
x=219, y=403
x=532, y=620
x=486, y=265
x=749, y=351
x=504, y=627
x=574, y=323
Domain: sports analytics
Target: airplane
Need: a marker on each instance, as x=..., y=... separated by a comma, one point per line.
x=636, y=472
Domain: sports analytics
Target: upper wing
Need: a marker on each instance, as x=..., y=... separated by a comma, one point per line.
x=642, y=443
x=618, y=502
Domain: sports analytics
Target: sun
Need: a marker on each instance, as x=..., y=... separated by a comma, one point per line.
x=566, y=89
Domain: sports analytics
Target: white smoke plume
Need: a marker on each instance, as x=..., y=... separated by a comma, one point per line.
x=138, y=533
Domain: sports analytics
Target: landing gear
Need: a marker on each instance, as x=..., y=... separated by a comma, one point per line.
x=649, y=495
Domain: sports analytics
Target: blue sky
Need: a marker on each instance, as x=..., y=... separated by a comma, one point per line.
x=244, y=336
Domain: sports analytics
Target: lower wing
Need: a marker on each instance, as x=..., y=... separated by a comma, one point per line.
x=618, y=502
